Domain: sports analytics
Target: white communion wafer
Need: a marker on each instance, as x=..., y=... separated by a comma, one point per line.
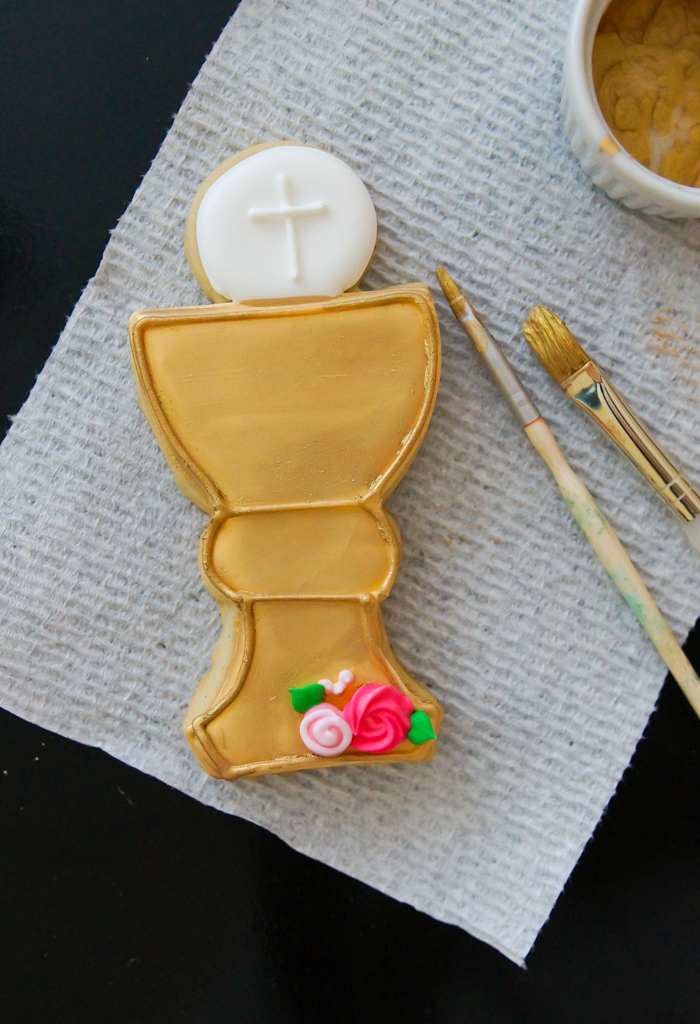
x=286, y=221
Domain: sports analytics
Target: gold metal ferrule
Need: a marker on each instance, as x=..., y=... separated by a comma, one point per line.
x=596, y=395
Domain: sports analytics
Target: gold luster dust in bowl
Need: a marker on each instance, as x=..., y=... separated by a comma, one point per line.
x=646, y=72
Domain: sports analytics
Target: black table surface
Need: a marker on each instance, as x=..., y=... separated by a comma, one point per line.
x=123, y=900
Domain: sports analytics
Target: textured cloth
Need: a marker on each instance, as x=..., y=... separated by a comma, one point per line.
x=448, y=110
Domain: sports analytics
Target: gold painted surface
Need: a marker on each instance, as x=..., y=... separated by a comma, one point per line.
x=289, y=424
x=299, y=642
x=330, y=551
x=284, y=409
x=646, y=72
x=609, y=146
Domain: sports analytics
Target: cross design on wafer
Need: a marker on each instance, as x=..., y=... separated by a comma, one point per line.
x=288, y=212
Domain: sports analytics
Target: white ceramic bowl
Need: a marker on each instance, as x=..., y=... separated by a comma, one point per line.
x=609, y=166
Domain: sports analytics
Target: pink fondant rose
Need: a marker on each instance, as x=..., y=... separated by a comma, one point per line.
x=379, y=718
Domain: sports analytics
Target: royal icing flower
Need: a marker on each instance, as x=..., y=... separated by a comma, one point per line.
x=378, y=717
x=324, y=731
x=344, y=679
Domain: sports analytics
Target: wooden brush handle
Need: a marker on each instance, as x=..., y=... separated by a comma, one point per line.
x=615, y=559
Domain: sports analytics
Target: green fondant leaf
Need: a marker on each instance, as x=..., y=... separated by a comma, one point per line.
x=305, y=697
x=421, y=728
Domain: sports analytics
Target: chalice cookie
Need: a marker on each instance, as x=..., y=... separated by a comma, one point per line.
x=288, y=410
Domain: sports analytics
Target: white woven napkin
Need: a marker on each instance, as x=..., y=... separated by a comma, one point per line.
x=448, y=109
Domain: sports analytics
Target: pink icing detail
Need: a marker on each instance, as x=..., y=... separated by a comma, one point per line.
x=324, y=731
x=379, y=717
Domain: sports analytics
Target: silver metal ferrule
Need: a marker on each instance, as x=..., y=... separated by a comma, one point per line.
x=502, y=372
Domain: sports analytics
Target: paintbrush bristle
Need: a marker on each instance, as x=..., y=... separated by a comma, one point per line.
x=554, y=344
x=452, y=292
x=447, y=284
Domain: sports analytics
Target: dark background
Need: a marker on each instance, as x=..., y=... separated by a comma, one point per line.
x=123, y=900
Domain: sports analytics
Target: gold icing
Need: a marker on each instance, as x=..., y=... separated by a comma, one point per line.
x=646, y=72
x=297, y=396
x=303, y=551
x=609, y=146
x=289, y=424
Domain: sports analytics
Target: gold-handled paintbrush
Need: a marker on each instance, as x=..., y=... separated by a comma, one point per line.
x=584, y=509
x=579, y=377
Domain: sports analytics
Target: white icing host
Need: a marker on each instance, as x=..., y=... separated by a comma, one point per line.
x=286, y=221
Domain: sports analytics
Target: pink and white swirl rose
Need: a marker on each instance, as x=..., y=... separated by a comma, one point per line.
x=379, y=717
x=324, y=731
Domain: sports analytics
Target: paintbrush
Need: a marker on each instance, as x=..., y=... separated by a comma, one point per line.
x=577, y=375
x=582, y=505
